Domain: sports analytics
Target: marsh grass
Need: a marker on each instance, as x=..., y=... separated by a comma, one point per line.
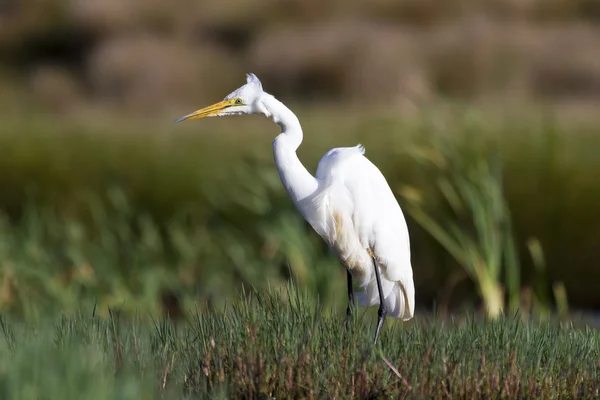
x=128, y=213
x=477, y=229
x=283, y=344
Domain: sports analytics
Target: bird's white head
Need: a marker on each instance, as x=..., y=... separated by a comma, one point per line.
x=244, y=100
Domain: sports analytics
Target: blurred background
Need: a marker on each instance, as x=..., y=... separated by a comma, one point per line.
x=481, y=114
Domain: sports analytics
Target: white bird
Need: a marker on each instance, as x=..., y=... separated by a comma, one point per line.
x=348, y=203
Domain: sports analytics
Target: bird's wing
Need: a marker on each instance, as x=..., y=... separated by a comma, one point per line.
x=361, y=189
x=376, y=214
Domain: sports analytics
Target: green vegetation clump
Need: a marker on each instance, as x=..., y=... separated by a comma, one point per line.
x=281, y=344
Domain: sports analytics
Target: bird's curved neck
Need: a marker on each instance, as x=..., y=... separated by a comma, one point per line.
x=296, y=179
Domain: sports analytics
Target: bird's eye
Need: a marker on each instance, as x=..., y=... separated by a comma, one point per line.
x=238, y=101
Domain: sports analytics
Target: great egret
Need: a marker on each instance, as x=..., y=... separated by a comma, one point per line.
x=348, y=203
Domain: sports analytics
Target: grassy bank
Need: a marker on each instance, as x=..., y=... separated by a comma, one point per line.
x=280, y=344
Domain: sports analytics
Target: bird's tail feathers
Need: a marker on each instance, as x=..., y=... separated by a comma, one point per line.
x=399, y=298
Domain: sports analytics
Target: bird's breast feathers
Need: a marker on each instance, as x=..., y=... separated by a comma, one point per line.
x=334, y=223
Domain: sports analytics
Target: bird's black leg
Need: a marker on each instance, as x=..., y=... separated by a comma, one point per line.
x=350, y=309
x=382, y=309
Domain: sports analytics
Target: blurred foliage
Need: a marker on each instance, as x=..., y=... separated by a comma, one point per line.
x=99, y=206
x=479, y=235
x=150, y=55
x=150, y=216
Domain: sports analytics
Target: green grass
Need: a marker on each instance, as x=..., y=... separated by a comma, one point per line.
x=282, y=344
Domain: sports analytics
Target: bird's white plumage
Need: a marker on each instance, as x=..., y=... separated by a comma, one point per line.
x=354, y=210
x=348, y=203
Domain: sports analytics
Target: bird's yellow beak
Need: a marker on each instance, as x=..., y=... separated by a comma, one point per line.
x=207, y=111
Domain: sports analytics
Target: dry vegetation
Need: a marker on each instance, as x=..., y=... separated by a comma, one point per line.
x=147, y=55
